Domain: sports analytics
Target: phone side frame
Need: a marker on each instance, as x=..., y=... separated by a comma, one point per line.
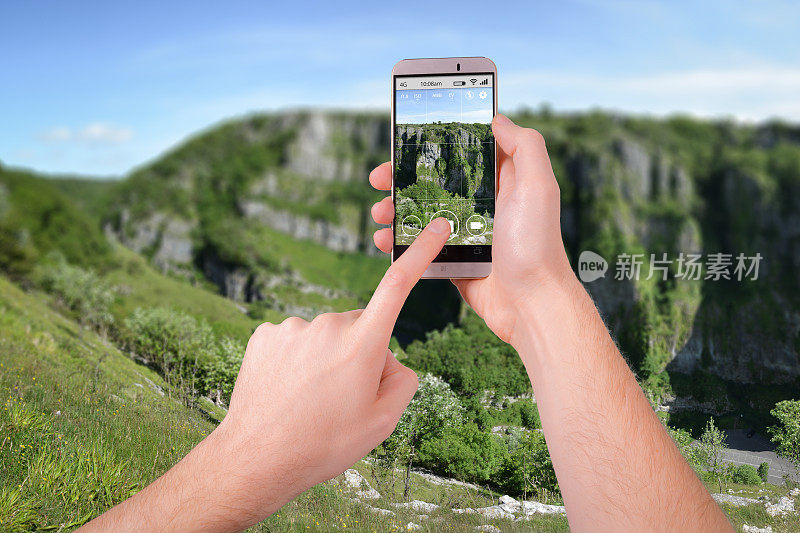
x=434, y=67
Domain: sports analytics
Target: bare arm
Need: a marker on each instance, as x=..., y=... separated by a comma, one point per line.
x=617, y=467
x=310, y=400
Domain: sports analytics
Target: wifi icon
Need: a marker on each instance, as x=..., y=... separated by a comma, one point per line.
x=473, y=81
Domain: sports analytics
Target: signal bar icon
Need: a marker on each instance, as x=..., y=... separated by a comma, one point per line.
x=484, y=82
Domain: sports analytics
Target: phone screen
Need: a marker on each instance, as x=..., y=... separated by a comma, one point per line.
x=444, y=161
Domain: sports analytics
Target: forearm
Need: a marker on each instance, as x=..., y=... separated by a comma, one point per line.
x=203, y=492
x=599, y=426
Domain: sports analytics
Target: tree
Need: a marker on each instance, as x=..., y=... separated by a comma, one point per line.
x=763, y=471
x=434, y=408
x=685, y=443
x=712, y=448
x=528, y=467
x=786, y=434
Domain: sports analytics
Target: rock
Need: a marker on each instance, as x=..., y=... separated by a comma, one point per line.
x=755, y=529
x=494, y=511
x=488, y=528
x=439, y=480
x=529, y=508
x=784, y=506
x=509, y=504
x=355, y=480
x=411, y=526
x=378, y=510
x=417, y=505
x=737, y=501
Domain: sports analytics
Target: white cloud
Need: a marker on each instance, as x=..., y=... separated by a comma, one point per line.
x=93, y=133
x=748, y=93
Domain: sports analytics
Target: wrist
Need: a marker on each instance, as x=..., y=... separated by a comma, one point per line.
x=549, y=306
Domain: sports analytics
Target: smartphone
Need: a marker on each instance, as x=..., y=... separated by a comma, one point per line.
x=444, y=159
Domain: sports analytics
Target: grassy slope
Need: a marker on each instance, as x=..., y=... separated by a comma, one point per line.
x=141, y=285
x=83, y=427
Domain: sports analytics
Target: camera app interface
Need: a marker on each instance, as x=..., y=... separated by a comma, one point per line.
x=444, y=159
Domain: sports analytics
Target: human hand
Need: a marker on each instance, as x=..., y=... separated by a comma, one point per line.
x=314, y=398
x=527, y=250
x=310, y=400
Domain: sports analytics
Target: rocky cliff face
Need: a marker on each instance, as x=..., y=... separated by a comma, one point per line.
x=628, y=186
x=459, y=159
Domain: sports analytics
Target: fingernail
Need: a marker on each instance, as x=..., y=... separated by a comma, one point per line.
x=440, y=225
x=502, y=120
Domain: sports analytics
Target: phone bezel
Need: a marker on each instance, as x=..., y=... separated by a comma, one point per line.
x=441, y=268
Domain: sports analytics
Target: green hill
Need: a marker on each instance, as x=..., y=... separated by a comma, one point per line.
x=264, y=217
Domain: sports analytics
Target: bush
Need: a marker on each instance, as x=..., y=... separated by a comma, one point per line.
x=786, y=434
x=528, y=468
x=172, y=341
x=79, y=290
x=464, y=452
x=763, y=471
x=219, y=374
x=746, y=475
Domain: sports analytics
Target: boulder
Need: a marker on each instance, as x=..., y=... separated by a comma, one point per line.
x=355, y=480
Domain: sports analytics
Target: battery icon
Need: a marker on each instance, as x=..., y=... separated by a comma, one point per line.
x=459, y=83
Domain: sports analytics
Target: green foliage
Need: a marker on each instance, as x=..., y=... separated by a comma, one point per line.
x=172, y=341
x=464, y=452
x=522, y=413
x=712, y=448
x=36, y=219
x=528, y=468
x=434, y=408
x=471, y=358
x=77, y=448
x=219, y=373
x=746, y=475
x=763, y=471
x=694, y=455
x=81, y=291
x=786, y=433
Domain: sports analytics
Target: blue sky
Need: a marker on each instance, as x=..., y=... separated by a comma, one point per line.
x=98, y=88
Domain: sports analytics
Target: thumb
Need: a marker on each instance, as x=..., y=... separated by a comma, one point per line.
x=398, y=385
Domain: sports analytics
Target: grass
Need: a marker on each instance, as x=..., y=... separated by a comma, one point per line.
x=83, y=427
x=140, y=285
x=350, y=272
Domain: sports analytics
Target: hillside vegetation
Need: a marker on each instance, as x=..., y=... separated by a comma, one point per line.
x=266, y=217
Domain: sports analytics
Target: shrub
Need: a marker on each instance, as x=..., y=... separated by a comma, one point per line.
x=434, y=408
x=712, y=450
x=219, y=373
x=464, y=452
x=763, y=471
x=528, y=468
x=79, y=290
x=746, y=475
x=786, y=434
x=172, y=341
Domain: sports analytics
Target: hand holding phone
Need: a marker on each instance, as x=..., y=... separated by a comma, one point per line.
x=444, y=159
x=527, y=250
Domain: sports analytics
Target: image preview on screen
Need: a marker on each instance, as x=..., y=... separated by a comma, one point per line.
x=444, y=158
